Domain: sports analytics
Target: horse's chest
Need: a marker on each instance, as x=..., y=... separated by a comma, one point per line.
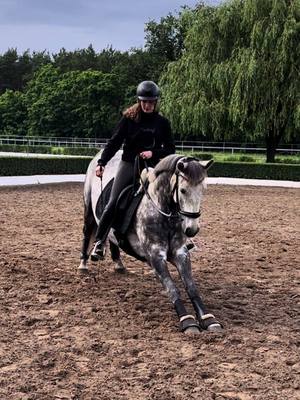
x=158, y=226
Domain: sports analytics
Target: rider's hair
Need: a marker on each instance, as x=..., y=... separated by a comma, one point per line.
x=133, y=112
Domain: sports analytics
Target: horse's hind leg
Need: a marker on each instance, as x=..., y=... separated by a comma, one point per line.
x=115, y=255
x=89, y=227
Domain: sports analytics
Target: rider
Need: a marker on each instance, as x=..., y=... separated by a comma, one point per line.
x=144, y=132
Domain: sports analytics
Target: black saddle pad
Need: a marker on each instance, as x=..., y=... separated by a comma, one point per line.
x=126, y=206
x=103, y=198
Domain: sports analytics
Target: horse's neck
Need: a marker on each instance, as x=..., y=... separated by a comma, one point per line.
x=160, y=189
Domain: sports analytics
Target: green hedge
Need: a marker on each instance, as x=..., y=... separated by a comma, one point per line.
x=14, y=166
x=22, y=148
x=75, y=151
x=43, y=149
x=285, y=172
x=202, y=156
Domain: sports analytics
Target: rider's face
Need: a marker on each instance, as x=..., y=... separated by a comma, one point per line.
x=148, y=106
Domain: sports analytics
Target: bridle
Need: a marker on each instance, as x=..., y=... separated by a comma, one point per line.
x=175, y=190
x=187, y=214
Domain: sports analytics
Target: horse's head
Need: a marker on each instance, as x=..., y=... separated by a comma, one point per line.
x=188, y=183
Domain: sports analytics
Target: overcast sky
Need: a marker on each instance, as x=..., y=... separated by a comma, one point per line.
x=74, y=24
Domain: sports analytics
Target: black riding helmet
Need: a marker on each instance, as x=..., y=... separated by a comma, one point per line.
x=147, y=90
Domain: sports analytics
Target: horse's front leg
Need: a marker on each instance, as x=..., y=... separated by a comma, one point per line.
x=181, y=259
x=158, y=261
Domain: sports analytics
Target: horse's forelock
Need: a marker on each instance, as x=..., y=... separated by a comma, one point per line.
x=194, y=171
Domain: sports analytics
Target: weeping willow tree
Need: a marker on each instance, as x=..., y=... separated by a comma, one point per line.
x=239, y=73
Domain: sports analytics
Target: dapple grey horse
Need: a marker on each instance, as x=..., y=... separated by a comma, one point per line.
x=166, y=217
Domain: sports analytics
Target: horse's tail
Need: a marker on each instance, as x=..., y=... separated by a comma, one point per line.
x=87, y=191
x=89, y=221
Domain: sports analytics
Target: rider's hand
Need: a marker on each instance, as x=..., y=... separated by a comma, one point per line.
x=146, y=154
x=99, y=171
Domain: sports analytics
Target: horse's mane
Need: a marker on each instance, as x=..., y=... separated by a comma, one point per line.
x=167, y=164
x=192, y=169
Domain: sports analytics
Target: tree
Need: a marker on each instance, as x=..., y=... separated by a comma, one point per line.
x=78, y=60
x=80, y=104
x=130, y=67
x=13, y=113
x=239, y=73
x=16, y=70
x=53, y=94
x=8, y=67
x=164, y=40
x=109, y=58
x=135, y=66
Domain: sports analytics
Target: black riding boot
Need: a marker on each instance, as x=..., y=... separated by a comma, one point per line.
x=104, y=226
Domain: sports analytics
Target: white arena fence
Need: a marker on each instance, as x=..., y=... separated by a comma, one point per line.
x=193, y=146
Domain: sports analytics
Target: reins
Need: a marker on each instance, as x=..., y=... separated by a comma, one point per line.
x=101, y=191
x=168, y=215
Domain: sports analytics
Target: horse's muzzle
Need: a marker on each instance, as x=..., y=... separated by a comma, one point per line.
x=191, y=232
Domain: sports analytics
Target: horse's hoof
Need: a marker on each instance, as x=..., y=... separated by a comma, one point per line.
x=83, y=270
x=188, y=324
x=119, y=268
x=208, y=322
x=95, y=259
x=193, y=330
x=215, y=328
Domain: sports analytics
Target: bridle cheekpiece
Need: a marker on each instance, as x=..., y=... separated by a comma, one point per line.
x=187, y=214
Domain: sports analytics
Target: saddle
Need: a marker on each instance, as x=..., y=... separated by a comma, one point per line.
x=127, y=204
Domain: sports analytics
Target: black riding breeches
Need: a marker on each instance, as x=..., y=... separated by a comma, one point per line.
x=123, y=178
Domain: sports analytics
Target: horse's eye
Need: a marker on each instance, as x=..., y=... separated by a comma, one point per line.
x=183, y=191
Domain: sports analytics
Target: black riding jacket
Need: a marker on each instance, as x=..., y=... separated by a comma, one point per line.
x=152, y=132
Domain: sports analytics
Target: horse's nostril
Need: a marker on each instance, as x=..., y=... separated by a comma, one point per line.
x=190, y=232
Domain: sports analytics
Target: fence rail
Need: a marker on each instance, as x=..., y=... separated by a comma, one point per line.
x=193, y=146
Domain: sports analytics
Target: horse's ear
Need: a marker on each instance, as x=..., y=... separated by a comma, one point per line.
x=180, y=166
x=206, y=164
